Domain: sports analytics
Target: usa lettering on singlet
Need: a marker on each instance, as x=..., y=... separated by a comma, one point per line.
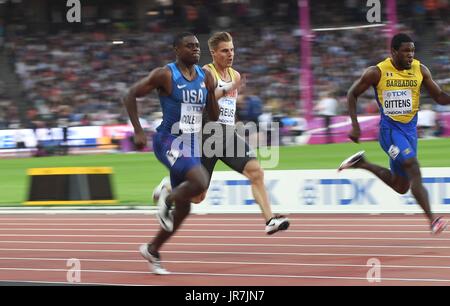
x=183, y=108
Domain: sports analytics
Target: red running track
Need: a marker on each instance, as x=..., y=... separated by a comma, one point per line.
x=225, y=250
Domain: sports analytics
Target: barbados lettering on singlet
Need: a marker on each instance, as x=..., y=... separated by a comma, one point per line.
x=398, y=93
x=227, y=104
x=184, y=106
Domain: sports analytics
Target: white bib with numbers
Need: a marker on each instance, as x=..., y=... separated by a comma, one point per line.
x=227, y=104
x=227, y=108
x=397, y=102
x=191, y=118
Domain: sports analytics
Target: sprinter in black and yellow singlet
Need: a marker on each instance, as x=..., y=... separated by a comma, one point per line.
x=241, y=158
x=396, y=82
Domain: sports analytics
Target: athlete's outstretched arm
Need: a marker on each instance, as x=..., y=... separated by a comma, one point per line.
x=370, y=77
x=211, y=104
x=435, y=91
x=156, y=79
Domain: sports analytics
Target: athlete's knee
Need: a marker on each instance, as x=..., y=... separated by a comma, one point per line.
x=198, y=181
x=198, y=187
x=253, y=171
x=412, y=168
x=401, y=184
x=203, y=183
x=402, y=189
x=411, y=163
x=199, y=198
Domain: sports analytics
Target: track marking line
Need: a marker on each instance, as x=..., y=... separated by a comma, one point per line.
x=257, y=218
x=231, y=244
x=174, y=273
x=233, y=253
x=213, y=224
x=209, y=230
x=225, y=262
x=37, y=282
x=431, y=238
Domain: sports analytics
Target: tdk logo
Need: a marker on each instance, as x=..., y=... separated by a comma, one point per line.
x=7, y=141
x=237, y=192
x=437, y=188
x=337, y=192
x=309, y=194
x=362, y=192
x=227, y=102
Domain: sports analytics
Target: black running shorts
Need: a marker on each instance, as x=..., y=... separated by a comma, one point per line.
x=226, y=145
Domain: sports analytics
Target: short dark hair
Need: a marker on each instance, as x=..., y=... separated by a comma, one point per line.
x=398, y=39
x=179, y=37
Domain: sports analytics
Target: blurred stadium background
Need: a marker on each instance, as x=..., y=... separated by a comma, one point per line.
x=61, y=83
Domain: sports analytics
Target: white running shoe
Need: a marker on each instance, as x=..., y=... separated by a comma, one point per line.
x=164, y=215
x=277, y=223
x=154, y=262
x=165, y=211
x=165, y=183
x=438, y=226
x=351, y=161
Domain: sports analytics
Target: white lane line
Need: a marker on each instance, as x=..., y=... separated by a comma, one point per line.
x=231, y=244
x=37, y=282
x=316, y=277
x=304, y=218
x=235, y=275
x=430, y=238
x=183, y=262
x=208, y=230
x=187, y=224
x=230, y=253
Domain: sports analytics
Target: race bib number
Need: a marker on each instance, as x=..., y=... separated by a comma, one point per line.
x=397, y=102
x=191, y=118
x=227, y=109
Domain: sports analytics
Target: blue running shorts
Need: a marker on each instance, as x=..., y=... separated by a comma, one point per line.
x=178, y=154
x=399, y=146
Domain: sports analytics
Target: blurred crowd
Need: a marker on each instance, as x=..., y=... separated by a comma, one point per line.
x=79, y=78
x=440, y=65
x=82, y=77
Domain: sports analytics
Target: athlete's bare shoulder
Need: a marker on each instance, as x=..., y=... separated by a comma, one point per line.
x=210, y=77
x=207, y=68
x=161, y=72
x=159, y=78
x=372, y=75
x=425, y=71
x=236, y=73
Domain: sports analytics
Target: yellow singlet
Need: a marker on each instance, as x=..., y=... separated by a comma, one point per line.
x=398, y=91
